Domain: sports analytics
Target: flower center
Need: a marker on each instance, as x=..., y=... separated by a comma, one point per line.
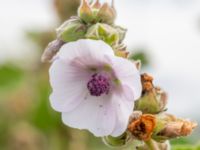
x=98, y=85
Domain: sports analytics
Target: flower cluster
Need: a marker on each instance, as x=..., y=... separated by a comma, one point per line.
x=96, y=87
x=150, y=122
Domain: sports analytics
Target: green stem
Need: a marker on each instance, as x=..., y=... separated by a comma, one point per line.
x=151, y=145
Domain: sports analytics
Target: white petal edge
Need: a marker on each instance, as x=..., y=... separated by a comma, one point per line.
x=95, y=114
x=123, y=109
x=95, y=49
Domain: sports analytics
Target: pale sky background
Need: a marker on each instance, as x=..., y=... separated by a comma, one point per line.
x=168, y=29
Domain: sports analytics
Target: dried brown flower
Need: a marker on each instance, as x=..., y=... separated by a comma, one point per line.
x=142, y=128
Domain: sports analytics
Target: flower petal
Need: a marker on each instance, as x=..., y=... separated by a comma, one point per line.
x=128, y=74
x=69, y=86
x=95, y=114
x=92, y=51
x=123, y=110
x=104, y=115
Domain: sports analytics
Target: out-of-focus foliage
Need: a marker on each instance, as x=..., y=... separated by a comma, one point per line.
x=66, y=8
x=140, y=55
x=186, y=147
x=10, y=76
x=185, y=144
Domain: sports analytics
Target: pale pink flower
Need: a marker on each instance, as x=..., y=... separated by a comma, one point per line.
x=93, y=88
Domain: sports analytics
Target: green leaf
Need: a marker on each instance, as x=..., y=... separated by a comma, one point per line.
x=102, y=31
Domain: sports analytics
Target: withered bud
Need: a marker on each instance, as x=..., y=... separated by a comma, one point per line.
x=168, y=127
x=153, y=99
x=51, y=50
x=142, y=128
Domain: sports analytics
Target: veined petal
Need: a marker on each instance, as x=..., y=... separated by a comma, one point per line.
x=128, y=74
x=95, y=114
x=69, y=86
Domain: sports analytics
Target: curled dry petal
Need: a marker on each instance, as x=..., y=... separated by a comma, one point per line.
x=147, y=82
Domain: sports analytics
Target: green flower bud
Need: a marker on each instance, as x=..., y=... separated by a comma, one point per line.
x=93, y=13
x=71, y=30
x=122, y=32
x=107, y=14
x=116, y=141
x=153, y=100
x=85, y=12
x=103, y=32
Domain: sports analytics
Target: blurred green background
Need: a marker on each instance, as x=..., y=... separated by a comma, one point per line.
x=27, y=122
